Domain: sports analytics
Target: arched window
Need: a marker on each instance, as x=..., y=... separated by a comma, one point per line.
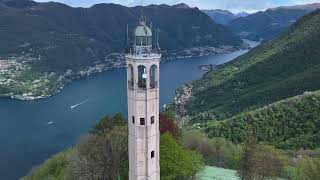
x=142, y=77
x=130, y=76
x=153, y=77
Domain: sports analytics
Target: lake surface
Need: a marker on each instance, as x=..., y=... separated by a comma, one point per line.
x=32, y=131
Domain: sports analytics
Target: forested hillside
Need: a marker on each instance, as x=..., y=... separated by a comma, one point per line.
x=266, y=25
x=44, y=46
x=285, y=67
x=61, y=37
x=288, y=124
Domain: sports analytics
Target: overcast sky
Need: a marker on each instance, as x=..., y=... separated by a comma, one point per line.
x=232, y=5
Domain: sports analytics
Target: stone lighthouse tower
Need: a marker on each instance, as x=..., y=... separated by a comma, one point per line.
x=143, y=59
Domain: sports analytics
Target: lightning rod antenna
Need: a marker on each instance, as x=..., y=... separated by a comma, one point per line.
x=141, y=11
x=158, y=38
x=155, y=39
x=127, y=34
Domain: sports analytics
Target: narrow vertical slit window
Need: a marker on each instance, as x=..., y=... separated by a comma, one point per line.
x=152, y=120
x=142, y=121
x=152, y=154
x=132, y=119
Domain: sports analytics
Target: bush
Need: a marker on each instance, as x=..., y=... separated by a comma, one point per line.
x=289, y=172
x=52, y=169
x=176, y=161
x=216, y=152
x=308, y=169
x=108, y=123
x=260, y=161
x=169, y=125
x=101, y=157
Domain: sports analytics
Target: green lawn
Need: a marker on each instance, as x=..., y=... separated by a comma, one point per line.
x=214, y=173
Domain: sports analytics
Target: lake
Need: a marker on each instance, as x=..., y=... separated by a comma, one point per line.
x=32, y=131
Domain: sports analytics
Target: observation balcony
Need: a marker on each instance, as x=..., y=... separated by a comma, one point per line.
x=142, y=53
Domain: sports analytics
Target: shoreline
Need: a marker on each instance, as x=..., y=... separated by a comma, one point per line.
x=118, y=61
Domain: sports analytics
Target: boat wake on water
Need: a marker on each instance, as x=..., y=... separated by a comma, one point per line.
x=76, y=105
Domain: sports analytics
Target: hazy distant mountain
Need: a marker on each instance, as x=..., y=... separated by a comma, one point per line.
x=269, y=23
x=223, y=16
x=242, y=14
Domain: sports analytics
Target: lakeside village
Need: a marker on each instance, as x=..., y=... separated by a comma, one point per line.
x=18, y=80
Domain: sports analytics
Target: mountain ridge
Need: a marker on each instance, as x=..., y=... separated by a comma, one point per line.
x=223, y=17
x=93, y=26
x=53, y=43
x=285, y=67
x=266, y=25
x=312, y=6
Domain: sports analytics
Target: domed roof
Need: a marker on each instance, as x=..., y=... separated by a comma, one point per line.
x=142, y=30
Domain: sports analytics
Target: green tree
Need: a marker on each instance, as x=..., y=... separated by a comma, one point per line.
x=176, y=161
x=52, y=169
x=103, y=154
x=216, y=152
x=101, y=157
x=269, y=162
x=108, y=123
x=246, y=169
x=260, y=162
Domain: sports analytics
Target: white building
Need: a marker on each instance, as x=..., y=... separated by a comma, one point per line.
x=143, y=59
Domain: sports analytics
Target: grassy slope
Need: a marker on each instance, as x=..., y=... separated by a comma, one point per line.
x=212, y=173
x=285, y=67
x=289, y=124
